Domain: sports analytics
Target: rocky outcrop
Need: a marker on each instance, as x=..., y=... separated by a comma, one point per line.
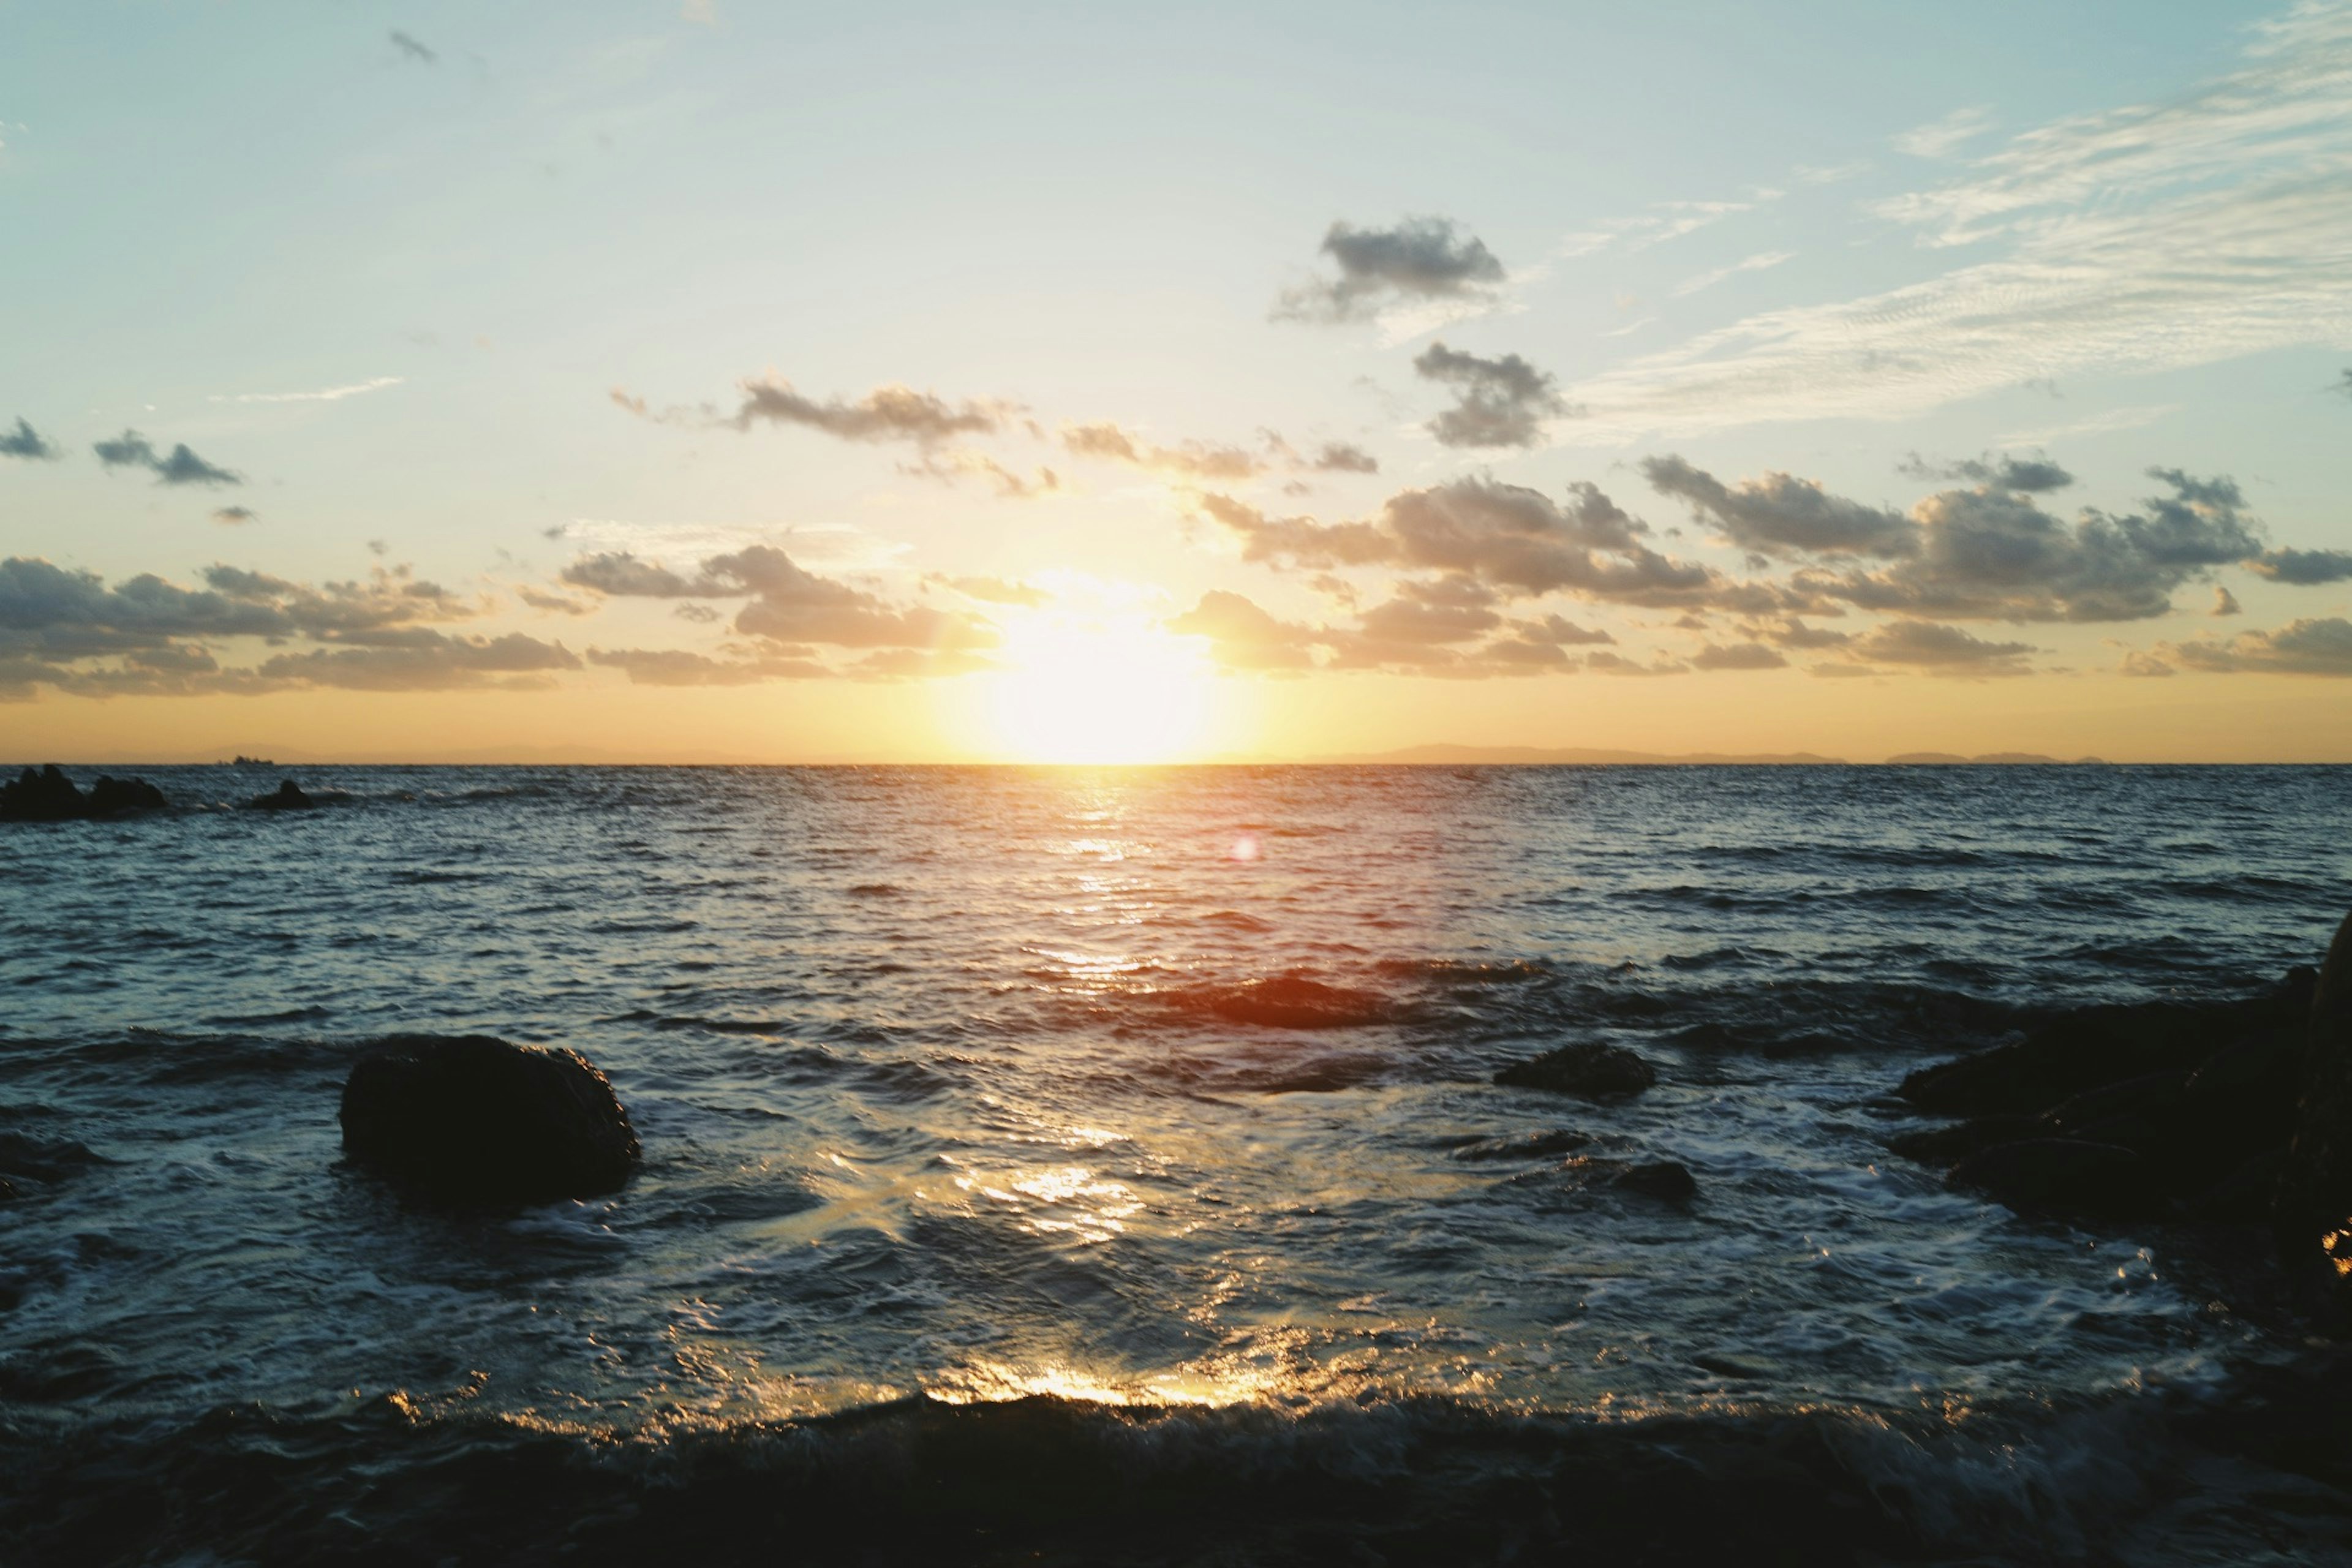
x=2313, y=1212
x=2160, y=1111
x=289, y=796
x=1587, y=1069
x=470, y=1119
x=49, y=796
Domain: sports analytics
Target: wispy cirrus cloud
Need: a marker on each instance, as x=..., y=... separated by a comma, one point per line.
x=2149, y=238
x=324, y=394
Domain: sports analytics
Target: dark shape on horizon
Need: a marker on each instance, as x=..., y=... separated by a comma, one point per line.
x=2312, y=1216
x=1587, y=1069
x=49, y=796
x=290, y=797
x=472, y=1120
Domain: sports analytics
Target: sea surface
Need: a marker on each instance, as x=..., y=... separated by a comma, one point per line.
x=1009, y=1194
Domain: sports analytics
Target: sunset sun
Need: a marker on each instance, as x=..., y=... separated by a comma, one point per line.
x=1116, y=687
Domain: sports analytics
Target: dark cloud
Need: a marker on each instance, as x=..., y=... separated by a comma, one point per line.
x=71, y=614
x=787, y=603
x=2225, y=603
x=1419, y=259
x=1340, y=458
x=179, y=467
x=2304, y=568
x=1497, y=402
x=1552, y=631
x=1992, y=554
x=2343, y=385
x=1617, y=664
x=886, y=414
x=555, y=603
x=1451, y=609
x=1778, y=513
x=1940, y=649
x=1244, y=636
x=1792, y=632
x=2300, y=647
x=2028, y=476
x=1737, y=656
x=411, y=49
x=26, y=442
x=233, y=515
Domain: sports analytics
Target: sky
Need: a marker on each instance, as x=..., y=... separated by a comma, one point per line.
x=647, y=381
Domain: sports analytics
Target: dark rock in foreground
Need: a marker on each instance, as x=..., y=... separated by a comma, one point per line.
x=470, y=1119
x=1667, y=1180
x=288, y=797
x=2225, y=1113
x=49, y=796
x=2312, y=1216
x=1587, y=1069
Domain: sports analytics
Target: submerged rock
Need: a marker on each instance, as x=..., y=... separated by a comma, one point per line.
x=2313, y=1212
x=1669, y=1180
x=110, y=797
x=1588, y=1068
x=288, y=797
x=473, y=1119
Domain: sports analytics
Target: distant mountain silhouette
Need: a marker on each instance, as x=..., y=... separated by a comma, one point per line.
x=1919, y=758
x=1472, y=756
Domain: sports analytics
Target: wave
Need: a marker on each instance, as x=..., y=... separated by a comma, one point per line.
x=409, y=1477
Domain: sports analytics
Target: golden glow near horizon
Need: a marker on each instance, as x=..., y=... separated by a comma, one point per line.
x=1101, y=683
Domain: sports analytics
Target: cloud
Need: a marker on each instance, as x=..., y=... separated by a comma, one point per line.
x=2342, y=387
x=2145, y=666
x=1737, y=656
x=325, y=394
x=1419, y=260
x=431, y=662
x=1666, y=221
x=1108, y=442
x=1340, y=458
x=786, y=602
x=891, y=412
x=411, y=49
x=2200, y=227
x=1498, y=402
x=2028, y=476
x=1942, y=138
x=26, y=443
x=554, y=603
x=1244, y=636
x=677, y=666
x=1778, y=512
x=179, y=467
x=1993, y=555
x=1515, y=539
x=2300, y=647
x=962, y=461
x=2304, y=568
x=1759, y=262
x=232, y=515
x=1940, y=649
x=2225, y=603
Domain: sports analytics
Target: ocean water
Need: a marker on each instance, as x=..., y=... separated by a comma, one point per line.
x=1106, y=1165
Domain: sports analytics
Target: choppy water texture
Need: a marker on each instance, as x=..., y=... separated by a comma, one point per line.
x=1162, y=1094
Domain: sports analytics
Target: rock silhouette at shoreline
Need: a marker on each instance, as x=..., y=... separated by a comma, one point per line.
x=48, y=795
x=472, y=1120
x=2233, y=1113
x=1587, y=1069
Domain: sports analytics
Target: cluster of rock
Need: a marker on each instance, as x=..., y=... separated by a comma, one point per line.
x=49, y=796
x=2225, y=1113
x=1590, y=1070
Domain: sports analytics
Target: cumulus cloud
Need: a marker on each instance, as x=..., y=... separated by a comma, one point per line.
x=1779, y=513
x=787, y=603
x=1940, y=649
x=427, y=662
x=1498, y=402
x=1108, y=442
x=2322, y=647
x=1737, y=656
x=2225, y=603
x=177, y=467
x=1419, y=260
x=2304, y=568
x=26, y=442
x=2027, y=475
x=1243, y=635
